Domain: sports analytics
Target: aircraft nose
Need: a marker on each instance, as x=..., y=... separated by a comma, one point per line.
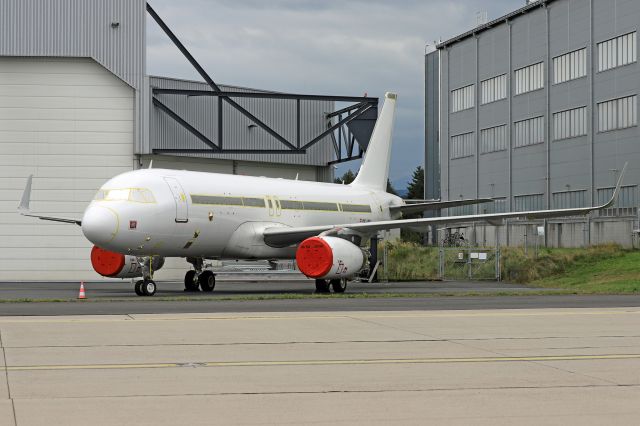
x=100, y=225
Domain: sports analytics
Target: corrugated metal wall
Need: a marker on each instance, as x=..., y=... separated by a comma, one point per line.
x=202, y=113
x=80, y=28
x=585, y=124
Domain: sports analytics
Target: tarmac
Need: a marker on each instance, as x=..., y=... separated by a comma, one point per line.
x=454, y=367
x=244, y=285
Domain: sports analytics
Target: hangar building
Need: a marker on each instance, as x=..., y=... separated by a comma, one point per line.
x=77, y=108
x=539, y=109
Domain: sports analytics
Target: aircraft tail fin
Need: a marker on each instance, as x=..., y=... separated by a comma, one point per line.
x=374, y=171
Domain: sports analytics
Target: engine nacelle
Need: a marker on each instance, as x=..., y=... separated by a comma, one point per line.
x=116, y=265
x=329, y=258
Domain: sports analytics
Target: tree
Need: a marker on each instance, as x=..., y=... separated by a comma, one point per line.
x=346, y=178
x=415, y=189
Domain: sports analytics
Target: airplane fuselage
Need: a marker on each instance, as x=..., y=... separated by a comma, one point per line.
x=175, y=213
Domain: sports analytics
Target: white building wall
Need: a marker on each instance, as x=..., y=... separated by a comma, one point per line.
x=70, y=123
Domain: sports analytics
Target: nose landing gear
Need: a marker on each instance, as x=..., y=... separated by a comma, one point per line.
x=198, y=278
x=146, y=286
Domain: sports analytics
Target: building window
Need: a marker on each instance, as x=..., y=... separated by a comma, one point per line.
x=570, y=123
x=526, y=203
x=570, y=199
x=570, y=66
x=462, y=98
x=493, y=89
x=499, y=205
x=625, y=205
x=493, y=139
x=617, y=52
x=617, y=114
x=529, y=78
x=528, y=132
x=462, y=145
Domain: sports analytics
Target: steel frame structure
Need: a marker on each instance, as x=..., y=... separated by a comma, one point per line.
x=345, y=140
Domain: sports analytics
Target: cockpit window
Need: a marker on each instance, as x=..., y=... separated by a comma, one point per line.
x=141, y=195
x=137, y=195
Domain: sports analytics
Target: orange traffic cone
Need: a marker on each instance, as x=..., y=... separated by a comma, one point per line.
x=81, y=295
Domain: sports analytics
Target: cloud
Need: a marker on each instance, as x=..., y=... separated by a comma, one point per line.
x=319, y=47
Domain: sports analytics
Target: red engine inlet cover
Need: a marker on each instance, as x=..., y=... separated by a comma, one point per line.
x=106, y=263
x=314, y=257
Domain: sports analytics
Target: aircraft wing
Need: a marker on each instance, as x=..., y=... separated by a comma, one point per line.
x=283, y=237
x=24, y=210
x=435, y=205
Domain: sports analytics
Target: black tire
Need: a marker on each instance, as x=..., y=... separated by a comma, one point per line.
x=207, y=280
x=138, y=288
x=339, y=286
x=149, y=288
x=190, y=281
x=322, y=286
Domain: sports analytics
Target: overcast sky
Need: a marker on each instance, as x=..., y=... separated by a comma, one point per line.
x=332, y=47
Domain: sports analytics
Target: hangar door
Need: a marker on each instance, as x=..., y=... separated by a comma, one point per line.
x=69, y=122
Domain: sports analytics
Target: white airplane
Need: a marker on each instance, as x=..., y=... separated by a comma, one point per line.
x=139, y=218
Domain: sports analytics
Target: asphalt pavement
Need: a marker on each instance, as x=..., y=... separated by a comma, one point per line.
x=242, y=285
x=284, y=293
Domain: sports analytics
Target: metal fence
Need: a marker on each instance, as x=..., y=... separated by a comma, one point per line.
x=469, y=263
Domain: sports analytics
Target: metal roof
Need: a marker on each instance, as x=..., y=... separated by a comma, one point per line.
x=506, y=18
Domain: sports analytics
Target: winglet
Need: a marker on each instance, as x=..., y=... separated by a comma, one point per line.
x=26, y=197
x=616, y=191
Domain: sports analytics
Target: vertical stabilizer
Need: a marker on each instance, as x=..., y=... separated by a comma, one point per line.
x=374, y=171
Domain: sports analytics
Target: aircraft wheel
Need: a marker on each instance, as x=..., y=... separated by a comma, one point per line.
x=138, y=288
x=339, y=286
x=149, y=288
x=207, y=280
x=322, y=286
x=190, y=281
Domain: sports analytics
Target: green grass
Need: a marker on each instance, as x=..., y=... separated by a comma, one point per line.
x=618, y=273
x=410, y=262
x=604, y=269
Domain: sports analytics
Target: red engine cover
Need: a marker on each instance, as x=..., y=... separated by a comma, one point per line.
x=314, y=257
x=106, y=263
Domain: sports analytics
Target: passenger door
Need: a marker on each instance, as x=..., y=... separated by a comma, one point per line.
x=180, y=198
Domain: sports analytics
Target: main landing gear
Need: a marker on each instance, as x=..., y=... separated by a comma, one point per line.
x=198, y=278
x=338, y=285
